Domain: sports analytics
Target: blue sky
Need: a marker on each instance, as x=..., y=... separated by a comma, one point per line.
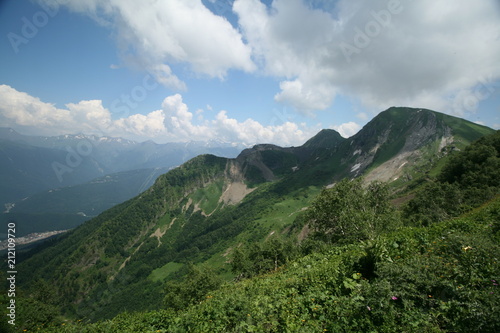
x=244, y=71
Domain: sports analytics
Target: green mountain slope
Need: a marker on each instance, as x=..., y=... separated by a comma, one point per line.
x=58, y=182
x=400, y=145
x=203, y=210
x=442, y=278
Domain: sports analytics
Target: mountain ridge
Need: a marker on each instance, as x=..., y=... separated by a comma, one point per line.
x=33, y=168
x=103, y=262
x=67, y=160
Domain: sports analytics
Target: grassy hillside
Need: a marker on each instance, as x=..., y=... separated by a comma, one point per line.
x=440, y=278
x=212, y=210
x=440, y=272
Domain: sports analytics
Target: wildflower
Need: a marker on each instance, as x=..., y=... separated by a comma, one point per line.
x=369, y=309
x=430, y=296
x=467, y=248
x=394, y=298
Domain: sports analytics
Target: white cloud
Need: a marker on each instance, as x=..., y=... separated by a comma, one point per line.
x=179, y=121
x=305, y=99
x=284, y=48
x=163, y=75
x=422, y=53
x=149, y=125
x=24, y=110
x=441, y=55
x=426, y=53
x=252, y=132
x=347, y=129
x=173, y=122
x=153, y=33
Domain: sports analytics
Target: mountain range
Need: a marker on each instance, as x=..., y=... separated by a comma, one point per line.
x=53, y=183
x=200, y=212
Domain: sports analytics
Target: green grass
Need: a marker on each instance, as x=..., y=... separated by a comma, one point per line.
x=275, y=219
x=208, y=197
x=467, y=130
x=283, y=213
x=438, y=279
x=162, y=273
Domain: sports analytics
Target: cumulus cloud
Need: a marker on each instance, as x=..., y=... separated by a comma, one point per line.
x=153, y=34
x=173, y=122
x=180, y=125
x=304, y=98
x=441, y=55
x=19, y=109
x=347, y=129
x=290, y=50
x=424, y=53
x=149, y=125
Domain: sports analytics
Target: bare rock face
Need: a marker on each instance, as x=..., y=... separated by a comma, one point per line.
x=235, y=188
x=392, y=140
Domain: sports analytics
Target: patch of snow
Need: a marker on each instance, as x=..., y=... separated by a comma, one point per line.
x=357, y=152
x=356, y=167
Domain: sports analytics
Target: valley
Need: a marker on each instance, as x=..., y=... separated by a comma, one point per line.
x=53, y=183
